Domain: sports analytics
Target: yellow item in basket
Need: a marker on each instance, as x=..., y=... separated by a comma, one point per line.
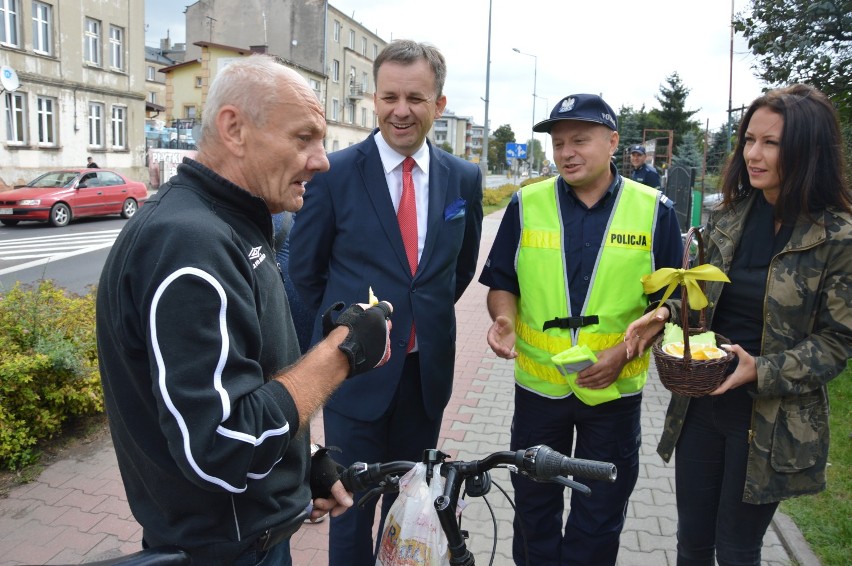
x=372, y=300
x=697, y=351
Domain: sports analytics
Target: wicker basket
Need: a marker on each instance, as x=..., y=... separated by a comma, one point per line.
x=686, y=376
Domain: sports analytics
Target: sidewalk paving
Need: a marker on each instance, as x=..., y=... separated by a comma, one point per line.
x=76, y=510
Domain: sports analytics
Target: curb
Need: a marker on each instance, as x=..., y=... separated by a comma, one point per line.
x=793, y=540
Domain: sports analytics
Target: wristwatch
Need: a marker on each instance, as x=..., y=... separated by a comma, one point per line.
x=314, y=449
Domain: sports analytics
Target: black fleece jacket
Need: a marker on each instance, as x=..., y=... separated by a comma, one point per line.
x=192, y=322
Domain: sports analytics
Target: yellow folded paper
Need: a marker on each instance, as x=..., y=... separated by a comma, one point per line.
x=576, y=359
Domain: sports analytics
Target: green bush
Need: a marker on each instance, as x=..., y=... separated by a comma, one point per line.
x=495, y=197
x=49, y=367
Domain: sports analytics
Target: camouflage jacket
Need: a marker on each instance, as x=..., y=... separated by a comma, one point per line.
x=807, y=341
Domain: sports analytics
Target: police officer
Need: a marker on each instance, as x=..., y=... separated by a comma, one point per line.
x=565, y=271
x=643, y=172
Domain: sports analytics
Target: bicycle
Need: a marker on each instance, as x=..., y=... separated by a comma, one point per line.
x=158, y=556
x=539, y=463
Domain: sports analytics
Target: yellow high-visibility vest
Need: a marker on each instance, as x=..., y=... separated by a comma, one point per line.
x=615, y=293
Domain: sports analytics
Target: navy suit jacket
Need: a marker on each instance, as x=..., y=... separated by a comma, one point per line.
x=346, y=239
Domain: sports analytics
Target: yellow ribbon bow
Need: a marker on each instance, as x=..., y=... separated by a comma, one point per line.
x=688, y=277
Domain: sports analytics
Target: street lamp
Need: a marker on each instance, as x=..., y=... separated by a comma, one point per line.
x=535, y=80
x=546, y=115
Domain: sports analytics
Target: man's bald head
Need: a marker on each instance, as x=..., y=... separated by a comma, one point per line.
x=254, y=85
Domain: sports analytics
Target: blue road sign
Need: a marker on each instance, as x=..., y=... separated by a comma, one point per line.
x=522, y=151
x=511, y=150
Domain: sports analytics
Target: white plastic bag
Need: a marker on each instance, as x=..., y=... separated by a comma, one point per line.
x=412, y=535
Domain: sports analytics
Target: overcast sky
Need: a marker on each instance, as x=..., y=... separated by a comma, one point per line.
x=620, y=49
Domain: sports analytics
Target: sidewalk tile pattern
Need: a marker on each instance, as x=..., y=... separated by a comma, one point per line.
x=76, y=511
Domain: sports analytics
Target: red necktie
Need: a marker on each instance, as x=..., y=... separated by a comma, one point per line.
x=406, y=215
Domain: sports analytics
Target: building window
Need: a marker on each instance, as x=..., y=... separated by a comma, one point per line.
x=150, y=73
x=335, y=70
x=92, y=42
x=197, y=82
x=364, y=46
x=119, y=127
x=189, y=112
x=365, y=82
x=9, y=27
x=16, y=119
x=335, y=109
x=315, y=86
x=350, y=112
x=46, y=120
x=152, y=97
x=96, y=124
x=116, y=47
x=364, y=117
x=42, y=28
x=352, y=39
x=375, y=51
x=336, y=31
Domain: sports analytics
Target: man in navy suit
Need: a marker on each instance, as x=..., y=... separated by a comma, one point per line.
x=348, y=240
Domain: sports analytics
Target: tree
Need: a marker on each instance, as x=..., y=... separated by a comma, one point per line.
x=535, y=151
x=445, y=145
x=672, y=114
x=632, y=125
x=688, y=153
x=717, y=152
x=804, y=41
x=497, y=147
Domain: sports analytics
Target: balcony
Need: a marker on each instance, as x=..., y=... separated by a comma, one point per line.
x=356, y=92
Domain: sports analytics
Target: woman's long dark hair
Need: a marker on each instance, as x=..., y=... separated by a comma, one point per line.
x=810, y=160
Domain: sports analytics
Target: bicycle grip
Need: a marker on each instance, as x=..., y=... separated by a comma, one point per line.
x=589, y=469
x=550, y=463
x=353, y=477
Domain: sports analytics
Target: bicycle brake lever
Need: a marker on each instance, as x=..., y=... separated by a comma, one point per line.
x=372, y=494
x=576, y=486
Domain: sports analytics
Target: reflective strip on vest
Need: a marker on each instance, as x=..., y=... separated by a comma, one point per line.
x=625, y=256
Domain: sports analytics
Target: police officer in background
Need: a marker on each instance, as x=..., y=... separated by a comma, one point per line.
x=643, y=172
x=565, y=271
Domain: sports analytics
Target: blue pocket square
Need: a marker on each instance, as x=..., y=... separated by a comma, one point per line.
x=455, y=209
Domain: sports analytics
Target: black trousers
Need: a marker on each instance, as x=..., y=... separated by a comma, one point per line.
x=710, y=471
x=609, y=432
x=401, y=434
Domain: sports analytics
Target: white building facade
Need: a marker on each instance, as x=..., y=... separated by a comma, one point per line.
x=80, y=66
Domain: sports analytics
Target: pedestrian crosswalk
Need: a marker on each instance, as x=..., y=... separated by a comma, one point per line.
x=44, y=249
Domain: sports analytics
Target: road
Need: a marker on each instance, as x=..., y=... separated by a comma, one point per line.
x=72, y=256
x=494, y=181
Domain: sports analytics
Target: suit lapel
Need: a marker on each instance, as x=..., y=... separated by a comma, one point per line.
x=369, y=166
x=439, y=174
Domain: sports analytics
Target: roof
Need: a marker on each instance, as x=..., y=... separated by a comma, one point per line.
x=157, y=55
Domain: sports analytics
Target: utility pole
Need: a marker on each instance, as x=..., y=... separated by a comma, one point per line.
x=483, y=161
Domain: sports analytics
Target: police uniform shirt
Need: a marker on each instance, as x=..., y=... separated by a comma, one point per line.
x=584, y=230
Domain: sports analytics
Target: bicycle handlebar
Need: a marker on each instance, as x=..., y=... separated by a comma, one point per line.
x=540, y=463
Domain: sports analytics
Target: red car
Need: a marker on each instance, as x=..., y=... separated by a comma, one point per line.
x=60, y=196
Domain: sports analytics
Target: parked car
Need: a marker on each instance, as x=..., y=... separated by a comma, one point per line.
x=60, y=196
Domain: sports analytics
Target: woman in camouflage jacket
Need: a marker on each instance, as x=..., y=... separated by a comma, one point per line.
x=783, y=234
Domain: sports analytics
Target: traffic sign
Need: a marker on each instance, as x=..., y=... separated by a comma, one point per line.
x=516, y=150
